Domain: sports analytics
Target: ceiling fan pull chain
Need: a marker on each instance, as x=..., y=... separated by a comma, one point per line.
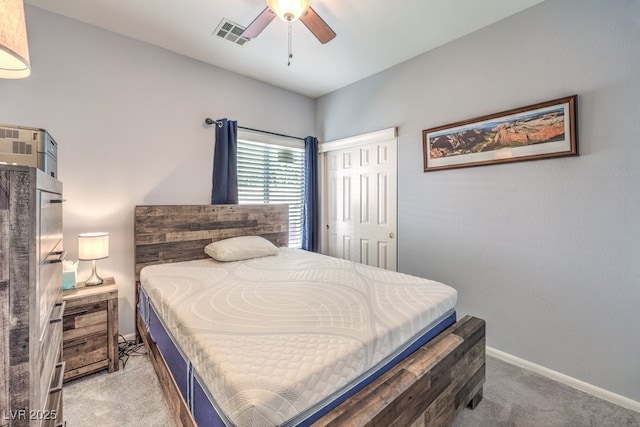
x=290, y=54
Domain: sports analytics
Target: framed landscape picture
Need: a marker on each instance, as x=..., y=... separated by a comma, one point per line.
x=538, y=131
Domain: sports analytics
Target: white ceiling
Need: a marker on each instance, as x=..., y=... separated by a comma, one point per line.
x=372, y=35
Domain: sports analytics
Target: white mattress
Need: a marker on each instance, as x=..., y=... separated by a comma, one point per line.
x=272, y=337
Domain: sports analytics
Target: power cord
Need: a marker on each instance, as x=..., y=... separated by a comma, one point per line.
x=128, y=348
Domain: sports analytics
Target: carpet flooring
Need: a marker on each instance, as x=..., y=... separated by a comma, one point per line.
x=518, y=397
x=130, y=396
x=512, y=397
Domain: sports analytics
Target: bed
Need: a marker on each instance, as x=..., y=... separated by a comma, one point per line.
x=294, y=338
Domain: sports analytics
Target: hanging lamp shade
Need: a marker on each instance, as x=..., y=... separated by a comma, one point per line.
x=288, y=10
x=14, y=49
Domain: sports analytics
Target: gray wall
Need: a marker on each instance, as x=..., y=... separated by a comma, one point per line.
x=546, y=251
x=128, y=118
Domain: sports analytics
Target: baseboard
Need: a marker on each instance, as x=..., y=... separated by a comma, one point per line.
x=130, y=337
x=567, y=380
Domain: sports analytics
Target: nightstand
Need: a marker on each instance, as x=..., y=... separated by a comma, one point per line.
x=90, y=329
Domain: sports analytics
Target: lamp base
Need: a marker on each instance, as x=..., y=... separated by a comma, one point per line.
x=94, y=279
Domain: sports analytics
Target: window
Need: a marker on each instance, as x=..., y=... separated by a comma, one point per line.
x=271, y=170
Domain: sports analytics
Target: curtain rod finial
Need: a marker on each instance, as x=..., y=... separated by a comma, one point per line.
x=209, y=121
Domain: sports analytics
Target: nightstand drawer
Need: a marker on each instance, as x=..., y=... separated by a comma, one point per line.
x=84, y=320
x=86, y=350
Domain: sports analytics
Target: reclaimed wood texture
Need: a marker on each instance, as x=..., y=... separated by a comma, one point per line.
x=30, y=340
x=426, y=389
x=172, y=233
x=177, y=405
x=90, y=328
x=4, y=294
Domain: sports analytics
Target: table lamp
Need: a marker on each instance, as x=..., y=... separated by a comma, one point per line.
x=93, y=246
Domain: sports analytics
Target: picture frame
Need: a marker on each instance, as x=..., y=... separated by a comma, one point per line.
x=539, y=131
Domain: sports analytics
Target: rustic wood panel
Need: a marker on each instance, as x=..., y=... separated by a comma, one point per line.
x=72, y=334
x=85, y=315
x=48, y=357
x=86, y=295
x=177, y=405
x=428, y=388
x=21, y=289
x=86, y=369
x=112, y=334
x=91, y=319
x=172, y=233
x=29, y=343
x=91, y=329
x=4, y=297
x=85, y=350
x=54, y=400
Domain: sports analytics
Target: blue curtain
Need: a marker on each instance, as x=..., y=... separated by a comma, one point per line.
x=310, y=213
x=224, y=188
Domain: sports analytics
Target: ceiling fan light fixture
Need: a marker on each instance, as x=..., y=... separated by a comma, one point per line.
x=288, y=10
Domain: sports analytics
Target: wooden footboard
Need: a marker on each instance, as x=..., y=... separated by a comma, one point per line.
x=426, y=389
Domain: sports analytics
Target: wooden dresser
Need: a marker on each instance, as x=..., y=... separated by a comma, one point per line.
x=90, y=329
x=31, y=304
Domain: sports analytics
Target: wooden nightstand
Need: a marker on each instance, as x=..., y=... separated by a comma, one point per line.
x=90, y=329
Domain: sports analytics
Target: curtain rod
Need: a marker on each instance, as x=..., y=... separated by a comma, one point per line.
x=209, y=121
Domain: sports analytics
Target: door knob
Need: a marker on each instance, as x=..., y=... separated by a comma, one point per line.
x=391, y=235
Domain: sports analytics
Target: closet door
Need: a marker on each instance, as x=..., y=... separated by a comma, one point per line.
x=361, y=198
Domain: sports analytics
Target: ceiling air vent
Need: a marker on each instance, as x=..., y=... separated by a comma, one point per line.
x=231, y=31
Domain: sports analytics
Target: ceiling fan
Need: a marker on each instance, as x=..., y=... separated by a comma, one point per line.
x=289, y=11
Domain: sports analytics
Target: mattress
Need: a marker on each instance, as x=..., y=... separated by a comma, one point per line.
x=274, y=338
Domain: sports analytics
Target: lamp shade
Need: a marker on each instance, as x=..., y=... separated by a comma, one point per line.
x=288, y=10
x=14, y=49
x=93, y=246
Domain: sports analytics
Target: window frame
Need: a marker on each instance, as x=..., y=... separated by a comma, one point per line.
x=295, y=210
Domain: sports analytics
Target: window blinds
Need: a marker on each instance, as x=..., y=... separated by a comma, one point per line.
x=272, y=173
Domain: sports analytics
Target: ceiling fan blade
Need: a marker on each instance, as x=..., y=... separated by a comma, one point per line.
x=259, y=24
x=317, y=26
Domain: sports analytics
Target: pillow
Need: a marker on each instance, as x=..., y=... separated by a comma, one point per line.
x=238, y=248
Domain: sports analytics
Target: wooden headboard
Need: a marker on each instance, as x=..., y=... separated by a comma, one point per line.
x=172, y=233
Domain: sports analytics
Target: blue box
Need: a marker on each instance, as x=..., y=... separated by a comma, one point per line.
x=68, y=280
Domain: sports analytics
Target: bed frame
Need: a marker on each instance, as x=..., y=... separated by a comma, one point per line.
x=427, y=388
